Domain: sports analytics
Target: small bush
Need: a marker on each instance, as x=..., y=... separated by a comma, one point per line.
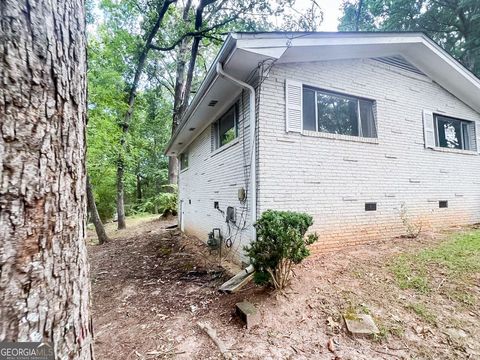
x=280, y=243
x=164, y=203
x=413, y=228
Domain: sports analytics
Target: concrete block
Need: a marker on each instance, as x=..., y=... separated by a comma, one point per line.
x=362, y=325
x=248, y=313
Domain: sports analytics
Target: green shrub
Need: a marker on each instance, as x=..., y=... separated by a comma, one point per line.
x=280, y=243
x=164, y=203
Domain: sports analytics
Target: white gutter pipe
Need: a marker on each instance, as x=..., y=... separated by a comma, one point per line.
x=252, y=193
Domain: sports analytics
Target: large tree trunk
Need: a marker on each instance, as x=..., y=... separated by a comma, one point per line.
x=44, y=272
x=172, y=172
x=92, y=207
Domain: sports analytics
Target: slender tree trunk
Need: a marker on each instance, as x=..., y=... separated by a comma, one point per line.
x=139, y=188
x=162, y=10
x=92, y=207
x=44, y=272
x=120, y=201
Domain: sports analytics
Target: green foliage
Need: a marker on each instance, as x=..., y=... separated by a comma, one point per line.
x=112, y=53
x=281, y=242
x=163, y=203
x=423, y=312
x=455, y=25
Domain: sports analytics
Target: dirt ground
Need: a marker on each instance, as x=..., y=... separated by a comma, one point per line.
x=151, y=286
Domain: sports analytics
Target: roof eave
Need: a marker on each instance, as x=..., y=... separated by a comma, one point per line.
x=227, y=47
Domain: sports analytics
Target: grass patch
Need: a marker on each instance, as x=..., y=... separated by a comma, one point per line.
x=422, y=311
x=457, y=257
x=410, y=275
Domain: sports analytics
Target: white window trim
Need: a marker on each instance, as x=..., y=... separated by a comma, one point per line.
x=216, y=127
x=317, y=88
x=225, y=147
x=454, y=151
x=450, y=150
x=352, y=138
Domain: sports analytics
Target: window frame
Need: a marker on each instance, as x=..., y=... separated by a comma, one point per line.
x=358, y=99
x=184, y=155
x=216, y=127
x=462, y=123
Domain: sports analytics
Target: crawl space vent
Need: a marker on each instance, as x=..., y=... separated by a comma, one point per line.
x=371, y=206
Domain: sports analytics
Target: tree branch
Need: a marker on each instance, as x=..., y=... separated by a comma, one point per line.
x=201, y=33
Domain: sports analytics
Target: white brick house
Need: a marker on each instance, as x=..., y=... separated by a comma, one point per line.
x=349, y=127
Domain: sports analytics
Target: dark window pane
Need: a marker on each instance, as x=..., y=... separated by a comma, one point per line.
x=183, y=161
x=449, y=132
x=226, y=127
x=466, y=136
x=309, y=109
x=368, y=120
x=337, y=114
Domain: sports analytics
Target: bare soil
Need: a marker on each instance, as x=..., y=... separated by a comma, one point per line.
x=151, y=286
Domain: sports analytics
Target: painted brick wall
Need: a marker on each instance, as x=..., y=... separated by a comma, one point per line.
x=332, y=178
x=216, y=175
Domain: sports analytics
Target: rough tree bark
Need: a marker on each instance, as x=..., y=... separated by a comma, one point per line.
x=44, y=273
x=92, y=208
x=162, y=10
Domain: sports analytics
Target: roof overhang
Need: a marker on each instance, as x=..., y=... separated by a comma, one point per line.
x=242, y=53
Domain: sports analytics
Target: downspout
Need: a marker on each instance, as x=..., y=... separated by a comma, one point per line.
x=253, y=164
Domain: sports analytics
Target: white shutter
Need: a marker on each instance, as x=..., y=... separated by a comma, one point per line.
x=428, y=129
x=477, y=133
x=294, y=105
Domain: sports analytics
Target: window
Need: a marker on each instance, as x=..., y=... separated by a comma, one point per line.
x=329, y=112
x=225, y=129
x=183, y=161
x=454, y=133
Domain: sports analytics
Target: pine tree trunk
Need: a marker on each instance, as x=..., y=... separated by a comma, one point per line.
x=44, y=272
x=92, y=207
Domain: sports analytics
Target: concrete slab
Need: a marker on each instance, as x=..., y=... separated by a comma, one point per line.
x=248, y=313
x=362, y=325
